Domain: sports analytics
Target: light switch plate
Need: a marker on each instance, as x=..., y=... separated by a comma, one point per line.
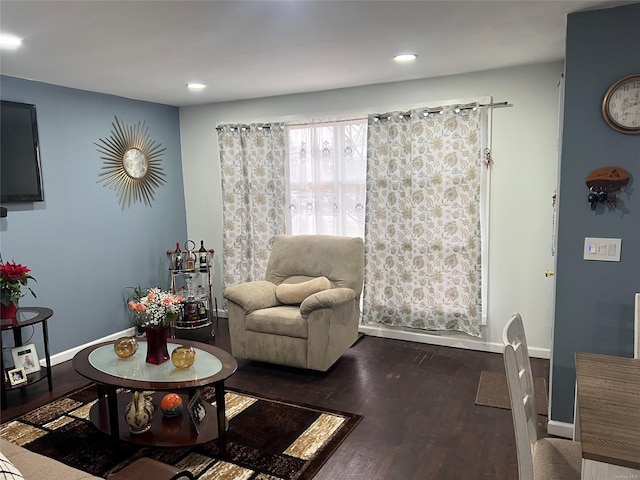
x=602, y=249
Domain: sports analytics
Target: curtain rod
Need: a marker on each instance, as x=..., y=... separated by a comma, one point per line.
x=456, y=108
x=425, y=112
x=283, y=124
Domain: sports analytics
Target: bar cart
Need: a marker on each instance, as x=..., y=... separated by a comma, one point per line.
x=190, y=276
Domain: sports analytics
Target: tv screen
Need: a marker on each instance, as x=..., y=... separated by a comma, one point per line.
x=20, y=177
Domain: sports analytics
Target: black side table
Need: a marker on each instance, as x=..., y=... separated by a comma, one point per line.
x=25, y=317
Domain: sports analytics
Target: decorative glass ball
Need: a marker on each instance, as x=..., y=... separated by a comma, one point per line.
x=125, y=346
x=183, y=356
x=171, y=405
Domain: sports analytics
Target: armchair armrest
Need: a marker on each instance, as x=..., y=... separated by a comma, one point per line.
x=252, y=296
x=326, y=299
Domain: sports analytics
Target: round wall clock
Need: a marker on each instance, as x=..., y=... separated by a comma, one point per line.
x=621, y=105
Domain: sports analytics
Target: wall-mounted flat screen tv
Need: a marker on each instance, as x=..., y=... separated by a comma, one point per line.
x=20, y=173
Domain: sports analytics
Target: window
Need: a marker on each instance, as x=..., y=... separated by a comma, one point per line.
x=326, y=185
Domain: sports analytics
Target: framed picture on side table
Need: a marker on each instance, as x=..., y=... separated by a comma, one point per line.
x=17, y=376
x=197, y=410
x=26, y=357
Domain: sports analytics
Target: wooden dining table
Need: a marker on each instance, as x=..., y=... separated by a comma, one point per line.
x=608, y=391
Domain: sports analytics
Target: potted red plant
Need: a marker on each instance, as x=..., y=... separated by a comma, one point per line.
x=13, y=276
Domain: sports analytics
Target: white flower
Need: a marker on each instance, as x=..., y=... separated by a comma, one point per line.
x=156, y=308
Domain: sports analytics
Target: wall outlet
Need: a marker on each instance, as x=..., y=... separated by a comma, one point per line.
x=602, y=249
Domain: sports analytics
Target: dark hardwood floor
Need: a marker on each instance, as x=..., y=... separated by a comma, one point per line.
x=420, y=420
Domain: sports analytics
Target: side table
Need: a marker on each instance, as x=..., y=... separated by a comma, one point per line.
x=27, y=316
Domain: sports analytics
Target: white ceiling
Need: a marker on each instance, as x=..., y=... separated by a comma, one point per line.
x=149, y=50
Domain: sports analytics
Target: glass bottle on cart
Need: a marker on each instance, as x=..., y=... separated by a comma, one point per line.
x=203, y=260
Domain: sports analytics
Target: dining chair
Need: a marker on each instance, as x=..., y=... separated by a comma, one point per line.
x=539, y=457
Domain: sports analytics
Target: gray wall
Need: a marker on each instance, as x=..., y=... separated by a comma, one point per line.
x=81, y=246
x=594, y=300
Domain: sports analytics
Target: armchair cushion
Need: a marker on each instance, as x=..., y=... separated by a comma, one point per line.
x=296, y=293
x=281, y=320
x=252, y=295
x=326, y=299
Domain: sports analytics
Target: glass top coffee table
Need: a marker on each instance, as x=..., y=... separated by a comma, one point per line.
x=212, y=366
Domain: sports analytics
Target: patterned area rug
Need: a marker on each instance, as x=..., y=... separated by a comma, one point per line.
x=267, y=439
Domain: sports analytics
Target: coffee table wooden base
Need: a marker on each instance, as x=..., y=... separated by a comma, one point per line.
x=165, y=432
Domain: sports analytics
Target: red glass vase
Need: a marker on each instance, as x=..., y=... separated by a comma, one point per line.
x=9, y=312
x=157, y=352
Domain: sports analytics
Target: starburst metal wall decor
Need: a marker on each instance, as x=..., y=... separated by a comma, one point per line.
x=131, y=163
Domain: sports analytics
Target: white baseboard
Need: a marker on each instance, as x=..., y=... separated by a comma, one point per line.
x=445, y=339
x=69, y=354
x=560, y=429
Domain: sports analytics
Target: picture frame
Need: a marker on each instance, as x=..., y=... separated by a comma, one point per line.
x=17, y=376
x=197, y=410
x=26, y=356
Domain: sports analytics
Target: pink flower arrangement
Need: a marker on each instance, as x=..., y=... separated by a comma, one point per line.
x=156, y=308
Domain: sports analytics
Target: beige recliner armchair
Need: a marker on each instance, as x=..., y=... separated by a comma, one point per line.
x=306, y=311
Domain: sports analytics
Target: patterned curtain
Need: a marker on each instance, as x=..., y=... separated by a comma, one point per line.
x=252, y=160
x=422, y=226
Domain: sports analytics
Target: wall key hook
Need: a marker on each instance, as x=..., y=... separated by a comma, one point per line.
x=602, y=182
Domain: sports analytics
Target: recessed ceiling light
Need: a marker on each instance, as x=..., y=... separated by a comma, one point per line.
x=405, y=58
x=9, y=40
x=195, y=86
